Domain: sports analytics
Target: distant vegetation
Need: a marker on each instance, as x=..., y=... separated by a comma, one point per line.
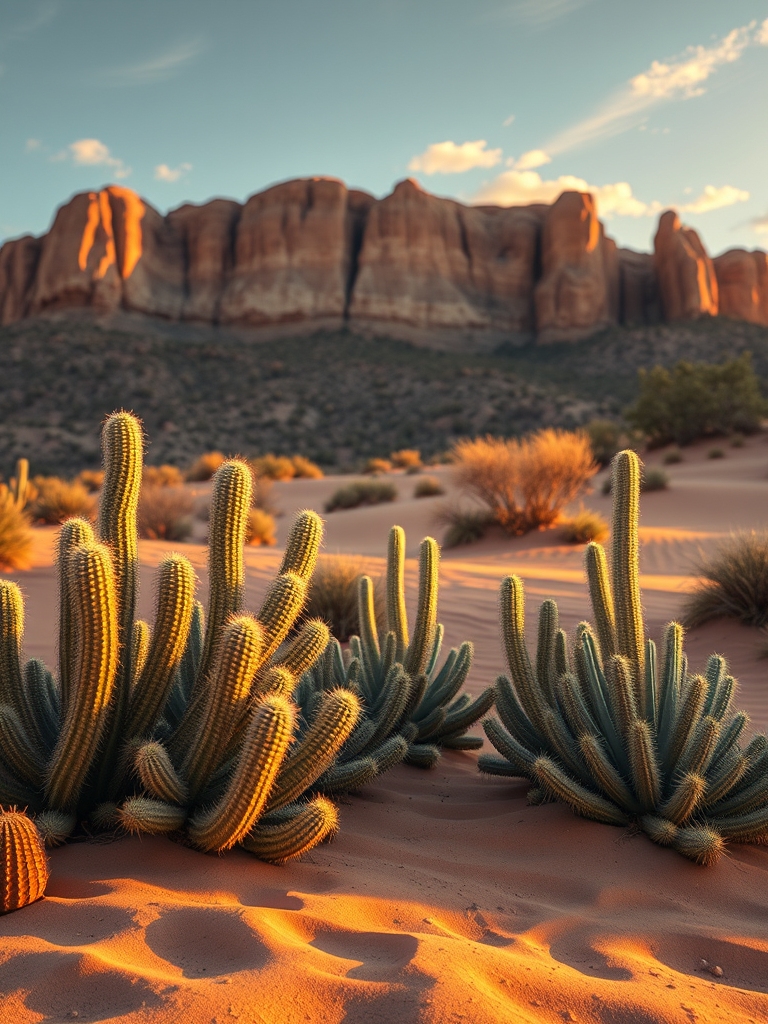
x=361, y=492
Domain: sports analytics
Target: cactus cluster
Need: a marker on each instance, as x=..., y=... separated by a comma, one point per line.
x=411, y=708
x=188, y=724
x=619, y=737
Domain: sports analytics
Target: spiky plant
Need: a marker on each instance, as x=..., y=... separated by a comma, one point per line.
x=411, y=707
x=185, y=725
x=23, y=867
x=609, y=731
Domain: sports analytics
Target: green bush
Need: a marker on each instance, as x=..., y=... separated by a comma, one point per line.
x=605, y=438
x=361, y=492
x=696, y=400
x=428, y=487
x=733, y=583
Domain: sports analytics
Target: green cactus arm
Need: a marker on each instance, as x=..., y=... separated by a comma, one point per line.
x=193, y=652
x=91, y=588
x=646, y=777
x=230, y=504
x=41, y=697
x=723, y=698
x=263, y=750
x=17, y=751
x=460, y=720
x=686, y=797
x=311, y=823
x=510, y=747
x=174, y=603
x=139, y=649
x=14, y=793
x=238, y=654
x=389, y=710
x=430, y=726
x=596, y=688
x=155, y=817
x=359, y=740
x=422, y=755
x=369, y=634
x=21, y=483
x=730, y=735
x=699, y=843
x=158, y=776
x=512, y=596
x=743, y=828
x=305, y=648
x=489, y=764
x=280, y=608
x=630, y=633
x=391, y=752
x=105, y=817
x=458, y=741
x=649, y=704
x=714, y=674
x=596, y=568
x=549, y=625
x=303, y=544
x=73, y=533
x=688, y=716
x=659, y=830
x=448, y=681
x=584, y=802
x=622, y=692
x=422, y=641
x=276, y=679
x=605, y=775
x=575, y=710
x=747, y=796
x=397, y=617
x=11, y=635
x=513, y=716
x=562, y=660
x=725, y=777
x=348, y=776
x=25, y=868
x=671, y=682
x=55, y=827
x=336, y=717
x=697, y=754
x=561, y=742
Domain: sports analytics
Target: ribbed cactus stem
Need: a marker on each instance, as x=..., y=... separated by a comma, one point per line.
x=397, y=617
x=306, y=647
x=21, y=483
x=24, y=867
x=687, y=795
x=91, y=588
x=596, y=567
x=139, y=648
x=303, y=544
x=546, y=673
x=74, y=533
x=605, y=774
x=618, y=674
x=230, y=504
x=175, y=596
x=512, y=599
x=281, y=607
x=155, y=817
x=55, y=827
x=582, y=800
x=366, y=611
x=309, y=825
x=17, y=750
x=276, y=680
x=646, y=779
x=426, y=610
x=264, y=747
x=699, y=843
x=11, y=634
x=157, y=774
x=630, y=633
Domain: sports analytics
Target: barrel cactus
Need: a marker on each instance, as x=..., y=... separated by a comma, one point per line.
x=22, y=861
x=620, y=737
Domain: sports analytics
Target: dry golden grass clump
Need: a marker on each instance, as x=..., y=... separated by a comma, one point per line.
x=333, y=595
x=285, y=467
x=375, y=466
x=304, y=468
x=165, y=513
x=408, y=459
x=463, y=524
x=163, y=476
x=204, y=467
x=91, y=479
x=361, y=492
x=428, y=487
x=525, y=483
x=734, y=582
x=52, y=500
x=584, y=527
x=261, y=528
x=15, y=534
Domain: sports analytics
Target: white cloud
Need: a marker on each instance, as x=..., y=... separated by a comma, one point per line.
x=92, y=153
x=713, y=198
x=508, y=121
x=532, y=159
x=518, y=188
x=156, y=69
x=760, y=224
x=165, y=173
x=32, y=144
x=449, y=158
x=762, y=33
x=681, y=78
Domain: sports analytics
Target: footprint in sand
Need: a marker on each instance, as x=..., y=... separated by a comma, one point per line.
x=206, y=942
x=384, y=955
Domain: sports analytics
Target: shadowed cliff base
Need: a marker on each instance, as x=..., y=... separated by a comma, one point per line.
x=335, y=396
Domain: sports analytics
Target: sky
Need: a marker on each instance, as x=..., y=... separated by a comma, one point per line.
x=648, y=105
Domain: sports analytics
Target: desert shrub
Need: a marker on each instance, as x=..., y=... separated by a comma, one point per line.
x=622, y=737
x=406, y=458
x=204, y=467
x=304, y=468
x=15, y=534
x=737, y=441
x=56, y=500
x=695, y=400
x=654, y=480
x=463, y=524
x=584, y=527
x=733, y=582
x=91, y=479
x=162, y=476
x=273, y=467
x=375, y=466
x=715, y=453
x=428, y=487
x=605, y=439
x=260, y=528
x=361, y=492
x=525, y=483
x=165, y=513
x=333, y=595
x=672, y=457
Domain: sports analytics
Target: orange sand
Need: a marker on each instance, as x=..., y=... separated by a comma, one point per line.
x=444, y=898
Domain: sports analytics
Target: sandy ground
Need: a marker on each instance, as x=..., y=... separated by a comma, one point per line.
x=444, y=898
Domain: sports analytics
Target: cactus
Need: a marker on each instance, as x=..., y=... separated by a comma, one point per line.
x=616, y=736
x=22, y=856
x=404, y=694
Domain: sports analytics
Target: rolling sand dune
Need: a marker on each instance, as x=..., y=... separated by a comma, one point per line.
x=445, y=898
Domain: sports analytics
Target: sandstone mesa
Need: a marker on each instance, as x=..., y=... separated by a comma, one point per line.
x=311, y=251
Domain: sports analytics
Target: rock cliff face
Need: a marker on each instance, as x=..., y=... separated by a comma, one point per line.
x=313, y=251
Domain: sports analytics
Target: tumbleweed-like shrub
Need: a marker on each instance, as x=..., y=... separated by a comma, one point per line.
x=374, y=467
x=165, y=512
x=733, y=583
x=204, y=467
x=525, y=483
x=584, y=527
x=56, y=500
x=261, y=528
x=361, y=492
x=428, y=487
x=162, y=476
x=15, y=534
x=622, y=737
x=406, y=458
x=463, y=524
x=333, y=595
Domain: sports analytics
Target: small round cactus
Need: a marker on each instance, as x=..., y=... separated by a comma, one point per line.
x=22, y=859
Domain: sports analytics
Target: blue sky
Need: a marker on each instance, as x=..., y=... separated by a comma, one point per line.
x=649, y=104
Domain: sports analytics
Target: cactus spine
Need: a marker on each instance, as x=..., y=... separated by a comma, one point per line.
x=24, y=867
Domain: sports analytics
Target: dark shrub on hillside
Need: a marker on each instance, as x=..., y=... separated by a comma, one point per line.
x=361, y=492
x=694, y=400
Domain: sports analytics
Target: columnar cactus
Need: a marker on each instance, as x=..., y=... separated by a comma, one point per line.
x=613, y=734
x=411, y=708
x=23, y=867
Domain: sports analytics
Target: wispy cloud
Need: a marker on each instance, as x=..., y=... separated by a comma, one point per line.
x=680, y=78
x=507, y=121
x=530, y=160
x=714, y=198
x=760, y=224
x=32, y=145
x=450, y=158
x=156, y=69
x=92, y=153
x=41, y=15
x=541, y=13
x=518, y=188
x=165, y=173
